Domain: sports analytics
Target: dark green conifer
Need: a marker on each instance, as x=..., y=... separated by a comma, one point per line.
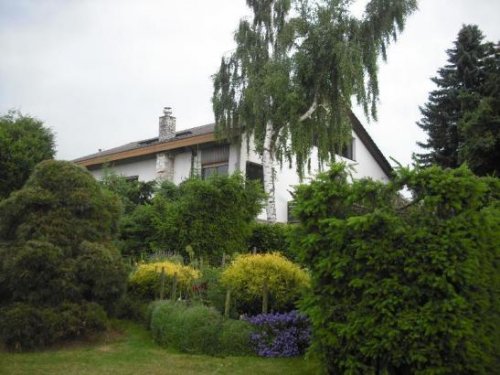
x=462, y=116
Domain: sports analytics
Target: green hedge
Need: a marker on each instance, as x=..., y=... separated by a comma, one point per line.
x=198, y=329
x=403, y=286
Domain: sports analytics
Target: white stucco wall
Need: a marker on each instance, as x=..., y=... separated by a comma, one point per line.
x=144, y=168
x=364, y=163
x=364, y=166
x=182, y=167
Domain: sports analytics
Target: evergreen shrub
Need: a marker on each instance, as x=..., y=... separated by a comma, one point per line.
x=145, y=281
x=248, y=273
x=235, y=338
x=193, y=329
x=24, y=326
x=403, y=286
x=57, y=255
x=267, y=238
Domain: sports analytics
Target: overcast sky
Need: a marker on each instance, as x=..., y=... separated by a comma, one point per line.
x=99, y=72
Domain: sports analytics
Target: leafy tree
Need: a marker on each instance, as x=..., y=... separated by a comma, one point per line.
x=208, y=217
x=290, y=81
x=24, y=142
x=56, y=253
x=131, y=192
x=462, y=116
x=403, y=287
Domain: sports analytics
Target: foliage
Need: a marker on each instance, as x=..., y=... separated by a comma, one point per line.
x=210, y=291
x=138, y=231
x=193, y=329
x=131, y=192
x=248, y=273
x=210, y=217
x=24, y=142
x=24, y=326
x=145, y=281
x=268, y=237
x=462, y=116
x=291, y=78
x=402, y=287
x=280, y=335
x=56, y=243
x=235, y=338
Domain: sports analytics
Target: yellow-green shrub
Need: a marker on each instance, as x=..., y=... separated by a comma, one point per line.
x=248, y=273
x=144, y=282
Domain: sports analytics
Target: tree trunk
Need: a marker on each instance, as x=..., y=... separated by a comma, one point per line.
x=268, y=166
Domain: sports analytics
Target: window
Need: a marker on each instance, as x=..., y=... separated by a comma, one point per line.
x=348, y=150
x=210, y=170
x=254, y=172
x=214, y=160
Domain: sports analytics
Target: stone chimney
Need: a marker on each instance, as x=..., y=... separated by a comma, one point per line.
x=167, y=125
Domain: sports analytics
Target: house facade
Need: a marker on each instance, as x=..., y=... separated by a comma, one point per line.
x=178, y=155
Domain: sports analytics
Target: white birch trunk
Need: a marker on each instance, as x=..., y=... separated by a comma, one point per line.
x=268, y=167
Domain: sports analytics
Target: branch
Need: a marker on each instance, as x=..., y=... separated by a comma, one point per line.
x=310, y=111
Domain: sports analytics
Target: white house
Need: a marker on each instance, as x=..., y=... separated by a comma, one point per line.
x=177, y=155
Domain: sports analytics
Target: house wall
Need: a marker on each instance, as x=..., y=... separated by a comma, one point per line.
x=182, y=167
x=364, y=165
x=145, y=168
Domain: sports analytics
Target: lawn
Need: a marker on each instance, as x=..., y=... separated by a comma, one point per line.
x=134, y=352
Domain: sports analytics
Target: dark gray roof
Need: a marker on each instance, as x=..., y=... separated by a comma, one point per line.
x=181, y=134
x=209, y=128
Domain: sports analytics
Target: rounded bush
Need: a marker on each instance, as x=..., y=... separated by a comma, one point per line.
x=57, y=256
x=194, y=329
x=235, y=338
x=248, y=273
x=145, y=281
x=24, y=326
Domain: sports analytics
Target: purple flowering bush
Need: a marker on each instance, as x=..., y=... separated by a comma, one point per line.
x=280, y=335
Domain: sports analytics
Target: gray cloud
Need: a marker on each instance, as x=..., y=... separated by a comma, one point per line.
x=98, y=72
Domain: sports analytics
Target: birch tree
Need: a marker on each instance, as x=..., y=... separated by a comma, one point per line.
x=297, y=66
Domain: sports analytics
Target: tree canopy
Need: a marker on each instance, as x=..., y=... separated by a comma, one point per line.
x=462, y=116
x=24, y=142
x=208, y=217
x=296, y=67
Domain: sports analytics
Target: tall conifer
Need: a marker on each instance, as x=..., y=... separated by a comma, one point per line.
x=462, y=116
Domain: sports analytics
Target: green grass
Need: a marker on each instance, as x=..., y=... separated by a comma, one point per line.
x=134, y=352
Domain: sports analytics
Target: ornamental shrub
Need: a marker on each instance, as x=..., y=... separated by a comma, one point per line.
x=403, y=286
x=145, y=281
x=211, y=217
x=280, y=335
x=24, y=326
x=193, y=329
x=266, y=238
x=235, y=338
x=56, y=250
x=247, y=274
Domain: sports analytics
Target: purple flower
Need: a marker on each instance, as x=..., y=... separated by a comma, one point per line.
x=280, y=335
